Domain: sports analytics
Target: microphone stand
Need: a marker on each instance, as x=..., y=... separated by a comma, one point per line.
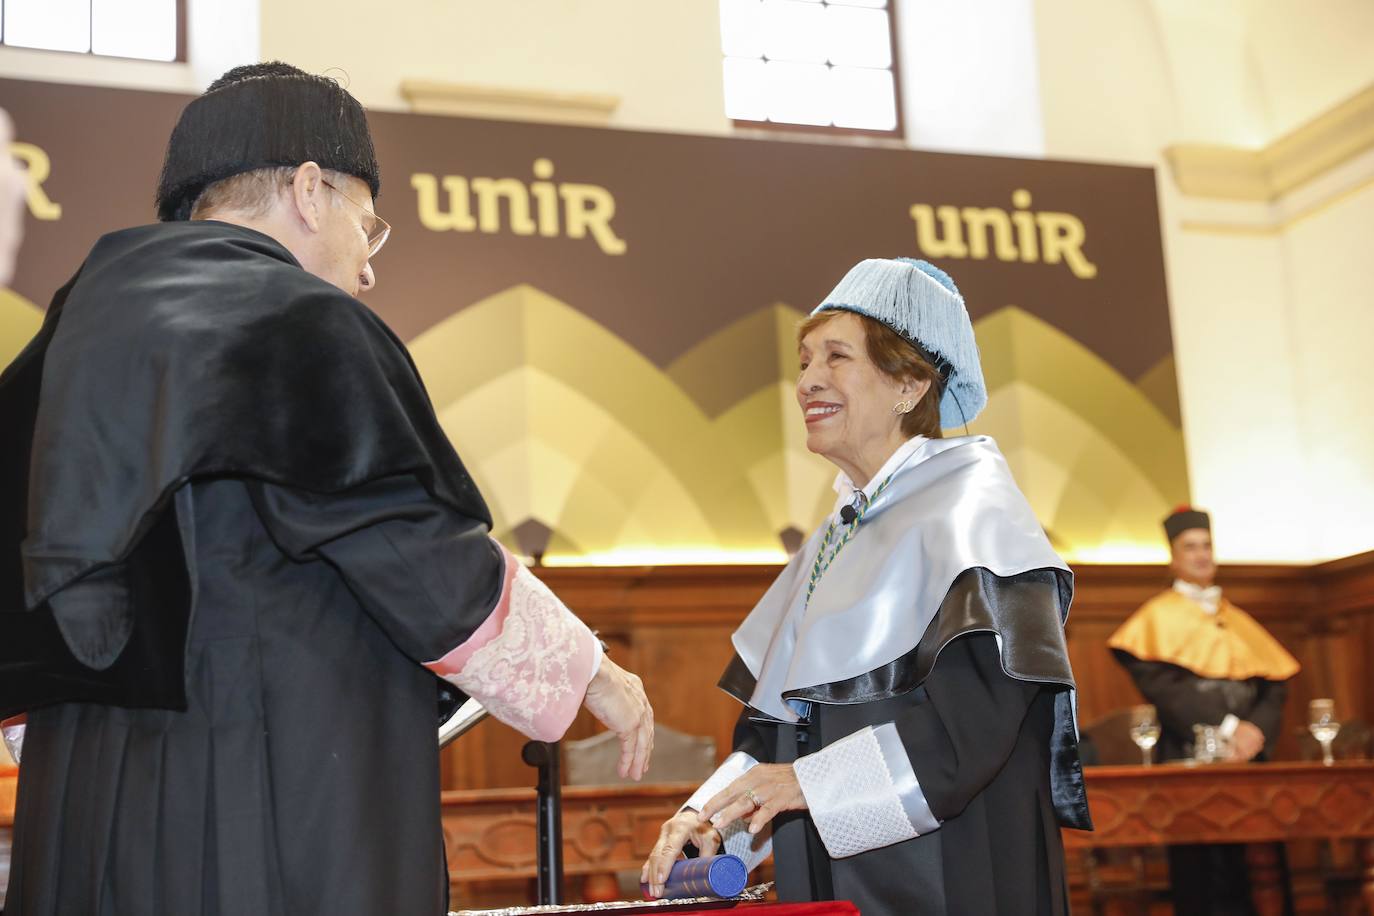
x=549, y=819
x=544, y=756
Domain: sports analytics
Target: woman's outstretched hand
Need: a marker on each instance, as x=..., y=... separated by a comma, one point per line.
x=758, y=796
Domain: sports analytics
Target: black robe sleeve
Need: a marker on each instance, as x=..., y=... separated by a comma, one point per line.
x=1174, y=693
x=1182, y=698
x=1267, y=713
x=961, y=737
x=427, y=574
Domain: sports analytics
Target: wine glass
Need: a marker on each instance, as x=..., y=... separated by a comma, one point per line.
x=1322, y=722
x=1144, y=730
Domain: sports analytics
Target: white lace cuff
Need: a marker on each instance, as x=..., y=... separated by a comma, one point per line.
x=530, y=661
x=13, y=731
x=863, y=793
x=735, y=837
x=735, y=766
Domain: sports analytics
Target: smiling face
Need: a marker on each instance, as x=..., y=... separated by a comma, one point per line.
x=1190, y=557
x=847, y=401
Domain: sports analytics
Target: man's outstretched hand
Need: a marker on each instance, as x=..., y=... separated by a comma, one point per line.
x=616, y=697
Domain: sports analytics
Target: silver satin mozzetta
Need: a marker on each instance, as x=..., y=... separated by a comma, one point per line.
x=952, y=506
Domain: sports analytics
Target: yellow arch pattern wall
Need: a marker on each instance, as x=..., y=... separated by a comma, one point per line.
x=567, y=427
x=19, y=321
x=564, y=424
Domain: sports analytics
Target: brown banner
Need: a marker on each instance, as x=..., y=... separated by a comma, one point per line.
x=637, y=277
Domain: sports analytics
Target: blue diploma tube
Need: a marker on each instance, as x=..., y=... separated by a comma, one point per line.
x=709, y=876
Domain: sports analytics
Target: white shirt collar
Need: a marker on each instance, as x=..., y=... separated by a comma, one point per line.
x=1209, y=598
x=848, y=492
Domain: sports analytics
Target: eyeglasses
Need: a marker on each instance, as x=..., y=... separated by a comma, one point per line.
x=380, y=230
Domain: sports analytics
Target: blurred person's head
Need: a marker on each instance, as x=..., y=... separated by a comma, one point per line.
x=13, y=188
x=288, y=154
x=1190, y=546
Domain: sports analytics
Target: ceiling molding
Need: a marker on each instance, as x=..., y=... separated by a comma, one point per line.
x=434, y=97
x=1266, y=174
x=1281, y=218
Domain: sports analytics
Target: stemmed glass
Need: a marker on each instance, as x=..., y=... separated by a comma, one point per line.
x=1322, y=722
x=1144, y=730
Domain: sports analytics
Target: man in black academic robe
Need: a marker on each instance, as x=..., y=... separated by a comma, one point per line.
x=239, y=560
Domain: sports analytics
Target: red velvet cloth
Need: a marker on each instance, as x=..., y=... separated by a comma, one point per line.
x=827, y=908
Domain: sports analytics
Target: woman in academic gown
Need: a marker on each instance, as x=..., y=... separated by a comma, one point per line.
x=908, y=733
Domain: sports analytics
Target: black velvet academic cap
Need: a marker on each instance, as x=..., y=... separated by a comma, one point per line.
x=1185, y=518
x=259, y=116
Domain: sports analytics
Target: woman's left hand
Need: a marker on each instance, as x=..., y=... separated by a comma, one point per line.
x=759, y=795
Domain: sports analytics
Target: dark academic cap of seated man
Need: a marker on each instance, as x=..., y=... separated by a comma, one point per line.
x=264, y=116
x=1186, y=518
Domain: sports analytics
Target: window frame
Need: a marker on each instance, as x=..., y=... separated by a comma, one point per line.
x=898, y=130
x=180, y=58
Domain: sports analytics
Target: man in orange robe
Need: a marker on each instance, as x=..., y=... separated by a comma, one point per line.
x=1201, y=660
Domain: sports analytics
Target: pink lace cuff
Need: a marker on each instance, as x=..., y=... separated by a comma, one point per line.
x=530, y=661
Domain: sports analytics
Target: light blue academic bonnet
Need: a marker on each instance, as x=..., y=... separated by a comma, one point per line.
x=921, y=303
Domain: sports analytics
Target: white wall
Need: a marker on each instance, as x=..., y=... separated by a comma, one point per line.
x=1305, y=52
x=662, y=59
x=954, y=101
x=1270, y=322
x=1331, y=323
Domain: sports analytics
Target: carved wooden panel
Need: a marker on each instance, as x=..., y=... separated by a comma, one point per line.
x=1147, y=806
x=491, y=834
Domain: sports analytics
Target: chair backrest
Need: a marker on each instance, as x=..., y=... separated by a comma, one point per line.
x=677, y=757
x=1108, y=740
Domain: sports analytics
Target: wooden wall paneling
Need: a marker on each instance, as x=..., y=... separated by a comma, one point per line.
x=1345, y=591
x=672, y=626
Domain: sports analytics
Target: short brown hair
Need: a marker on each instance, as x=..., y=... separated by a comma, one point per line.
x=899, y=360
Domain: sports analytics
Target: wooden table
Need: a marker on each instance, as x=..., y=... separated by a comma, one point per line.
x=490, y=833
x=1229, y=803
